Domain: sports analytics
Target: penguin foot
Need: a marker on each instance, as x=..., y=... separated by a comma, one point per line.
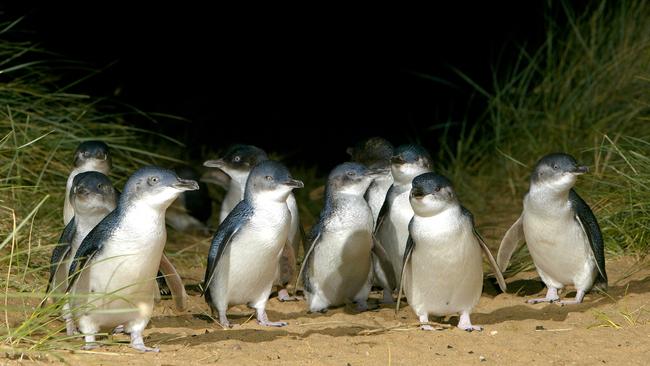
x=138, y=343
x=362, y=306
x=470, y=328
x=89, y=346
x=263, y=319
x=283, y=295
x=143, y=348
x=320, y=311
x=465, y=324
x=388, y=297
x=272, y=324
x=541, y=300
x=551, y=297
x=580, y=295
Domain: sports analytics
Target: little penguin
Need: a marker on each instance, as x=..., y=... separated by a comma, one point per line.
x=391, y=230
x=89, y=156
x=113, y=272
x=375, y=153
x=338, y=266
x=443, y=271
x=92, y=197
x=560, y=230
x=237, y=164
x=243, y=260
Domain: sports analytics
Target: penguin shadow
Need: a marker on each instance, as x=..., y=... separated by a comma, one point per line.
x=534, y=288
x=246, y=335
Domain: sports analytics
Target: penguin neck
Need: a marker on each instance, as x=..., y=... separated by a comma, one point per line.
x=238, y=183
x=406, y=178
x=544, y=196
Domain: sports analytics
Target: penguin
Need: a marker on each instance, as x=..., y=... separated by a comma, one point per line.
x=113, y=272
x=89, y=156
x=243, y=260
x=95, y=156
x=391, y=230
x=560, y=230
x=375, y=153
x=237, y=164
x=443, y=272
x=338, y=266
x=92, y=197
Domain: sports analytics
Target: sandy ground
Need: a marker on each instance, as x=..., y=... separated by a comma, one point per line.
x=605, y=329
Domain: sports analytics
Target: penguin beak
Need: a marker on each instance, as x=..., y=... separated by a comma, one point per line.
x=376, y=173
x=417, y=193
x=186, y=185
x=81, y=190
x=294, y=183
x=580, y=170
x=219, y=163
x=397, y=160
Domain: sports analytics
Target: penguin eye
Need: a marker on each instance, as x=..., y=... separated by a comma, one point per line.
x=153, y=180
x=351, y=173
x=437, y=189
x=556, y=167
x=269, y=178
x=86, y=154
x=236, y=159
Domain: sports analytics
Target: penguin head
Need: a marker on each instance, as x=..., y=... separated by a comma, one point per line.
x=93, y=155
x=352, y=178
x=374, y=152
x=409, y=161
x=155, y=187
x=270, y=180
x=431, y=194
x=557, y=171
x=92, y=192
x=238, y=161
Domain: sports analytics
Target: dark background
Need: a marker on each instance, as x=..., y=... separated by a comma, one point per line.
x=303, y=82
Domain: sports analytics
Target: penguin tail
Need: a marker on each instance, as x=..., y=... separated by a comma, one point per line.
x=600, y=284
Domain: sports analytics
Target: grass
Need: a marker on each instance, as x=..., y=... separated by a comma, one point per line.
x=586, y=92
x=42, y=124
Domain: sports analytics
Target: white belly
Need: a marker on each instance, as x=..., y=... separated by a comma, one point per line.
x=394, y=233
x=340, y=265
x=559, y=248
x=118, y=286
x=445, y=273
x=248, y=267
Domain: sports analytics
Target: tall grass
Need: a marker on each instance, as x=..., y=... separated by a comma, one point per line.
x=41, y=124
x=585, y=91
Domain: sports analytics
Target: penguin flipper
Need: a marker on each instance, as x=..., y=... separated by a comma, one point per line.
x=60, y=252
x=383, y=212
x=222, y=238
x=509, y=243
x=91, y=245
x=304, y=267
x=410, y=244
x=486, y=250
x=589, y=224
x=174, y=282
x=381, y=265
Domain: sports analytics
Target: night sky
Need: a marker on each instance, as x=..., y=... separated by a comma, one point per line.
x=259, y=75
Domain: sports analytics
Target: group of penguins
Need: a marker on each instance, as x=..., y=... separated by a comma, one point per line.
x=388, y=221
